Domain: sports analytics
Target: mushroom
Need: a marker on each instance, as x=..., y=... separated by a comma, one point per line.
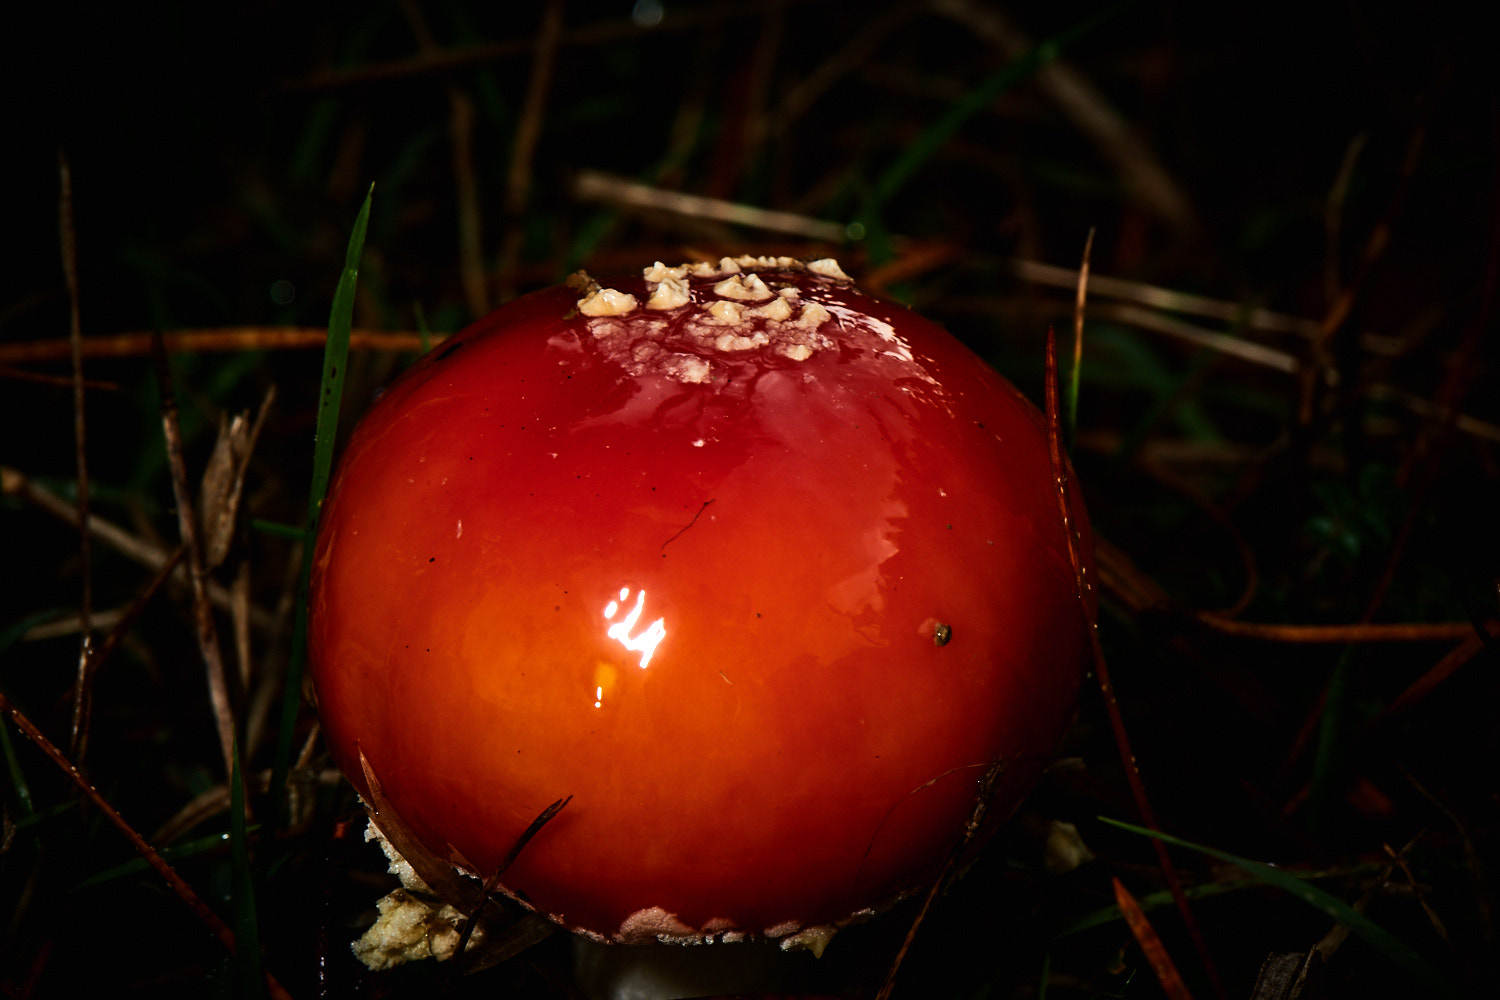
x=763, y=572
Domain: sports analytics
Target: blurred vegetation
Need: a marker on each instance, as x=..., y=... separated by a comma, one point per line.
x=1289, y=416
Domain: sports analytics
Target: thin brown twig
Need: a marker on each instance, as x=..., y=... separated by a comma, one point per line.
x=971, y=829
x=916, y=260
x=1315, y=375
x=542, y=819
x=148, y=853
x=14, y=482
x=101, y=653
x=746, y=94
x=1090, y=111
x=69, y=241
x=1445, y=668
x=1151, y=943
x=857, y=52
x=1333, y=214
x=203, y=612
x=1216, y=513
x=523, y=149
x=1242, y=315
x=1123, y=579
x=448, y=60
x=1358, y=632
x=1106, y=685
x=595, y=185
x=61, y=381
x=465, y=178
x=1081, y=298
x=203, y=341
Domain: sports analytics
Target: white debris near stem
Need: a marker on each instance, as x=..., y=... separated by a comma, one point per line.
x=399, y=866
x=813, y=939
x=410, y=928
x=411, y=925
x=1064, y=849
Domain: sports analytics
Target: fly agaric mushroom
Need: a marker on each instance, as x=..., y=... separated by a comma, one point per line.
x=763, y=572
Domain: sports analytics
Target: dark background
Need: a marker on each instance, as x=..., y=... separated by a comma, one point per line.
x=1331, y=163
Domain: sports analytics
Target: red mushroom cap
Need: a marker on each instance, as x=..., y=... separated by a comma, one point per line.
x=763, y=572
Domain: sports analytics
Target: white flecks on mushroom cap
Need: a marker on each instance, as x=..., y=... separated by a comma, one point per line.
x=607, y=302
x=828, y=268
x=778, y=310
x=671, y=293
x=744, y=288
x=743, y=310
x=725, y=313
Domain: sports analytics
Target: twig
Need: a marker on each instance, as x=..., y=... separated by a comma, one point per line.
x=448, y=60
x=1079, y=300
x=594, y=185
x=971, y=830
x=203, y=341
x=1359, y=632
x=1151, y=943
x=856, y=53
x=13, y=482
x=101, y=653
x=68, y=238
x=180, y=887
x=1445, y=668
x=465, y=180
x=1090, y=112
x=1171, y=300
x=542, y=819
x=915, y=260
x=1213, y=340
x=203, y=613
x=1333, y=214
x=1341, y=308
x=744, y=102
x=1106, y=685
x=65, y=382
x=523, y=151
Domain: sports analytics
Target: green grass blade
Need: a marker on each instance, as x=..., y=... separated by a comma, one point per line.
x=1378, y=938
x=138, y=866
x=17, y=776
x=330, y=393
x=335, y=357
x=423, y=330
x=939, y=132
x=277, y=529
x=249, y=976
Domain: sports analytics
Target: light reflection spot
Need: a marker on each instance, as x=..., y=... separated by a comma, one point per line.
x=644, y=642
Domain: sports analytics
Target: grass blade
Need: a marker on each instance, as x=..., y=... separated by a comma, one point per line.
x=249, y=977
x=330, y=394
x=1383, y=942
x=939, y=132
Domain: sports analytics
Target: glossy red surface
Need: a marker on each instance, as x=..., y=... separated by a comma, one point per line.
x=704, y=609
